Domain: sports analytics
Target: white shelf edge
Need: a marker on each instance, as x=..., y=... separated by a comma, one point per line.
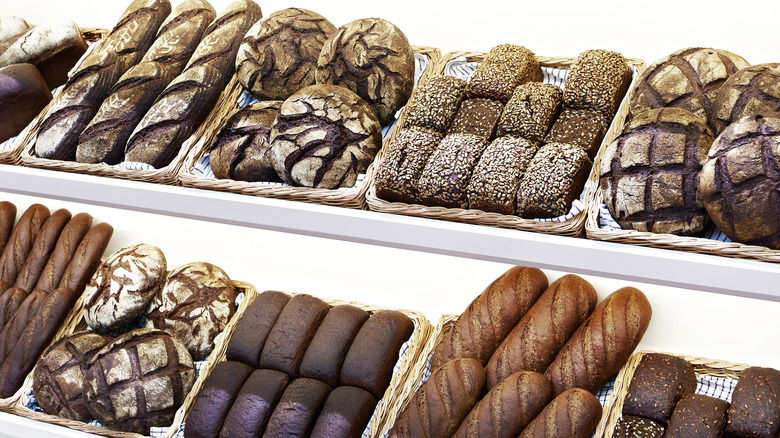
x=15, y=426
x=745, y=278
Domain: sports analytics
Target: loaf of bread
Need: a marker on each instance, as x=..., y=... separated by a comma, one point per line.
x=11, y=27
x=135, y=31
x=598, y=80
x=582, y=128
x=435, y=103
x=10, y=300
x=659, y=382
x=698, y=415
x=66, y=246
x=442, y=402
x=603, y=343
x=215, y=398
x=535, y=341
x=398, y=174
x=531, y=111
x=297, y=410
x=14, y=327
x=254, y=404
x=575, y=414
x=86, y=259
x=23, y=94
x=755, y=404
x=508, y=407
x=7, y=220
x=41, y=250
x=253, y=327
x=346, y=414
x=478, y=117
x=502, y=70
x=636, y=427
x=751, y=91
x=21, y=241
x=447, y=173
x=491, y=316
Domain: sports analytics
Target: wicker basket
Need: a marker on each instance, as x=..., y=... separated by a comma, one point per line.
x=76, y=323
x=573, y=227
x=351, y=198
x=613, y=410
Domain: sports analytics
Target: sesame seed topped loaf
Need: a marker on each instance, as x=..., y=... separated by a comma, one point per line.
x=478, y=117
x=446, y=175
x=751, y=91
x=504, y=68
x=598, y=80
x=582, y=128
x=659, y=382
x=435, y=102
x=531, y=111
x=755, y=404
x=698, y=415
x=398, y=175
x=636, y=427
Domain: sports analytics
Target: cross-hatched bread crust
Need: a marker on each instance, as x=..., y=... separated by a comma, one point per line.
x=751, y=91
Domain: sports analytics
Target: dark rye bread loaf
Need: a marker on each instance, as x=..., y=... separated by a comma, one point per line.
x=346, y=414
x=446, y=175
x=398, y=175
x=531, y=111
x=477, y=116
x=254, y=404
x=755, y=404
x=10, y=300
x=324, y=136
x=215, y=398
x=535, y=341
x=21, y=241
x=508, y=407
x=279, y=54
x=381, y=72
x=659, y=382
x=15, y=326
x=41, y=249
x=491, y=316
x=575, y=414
x=650, y=173
x=440, y=404
x=86, y=258
x=135, y=31
x=636, y=427
x=7, y=220
x=602, y=344
x=598, y=80
x=253, y=327
x=297, y=410
x=23, y=94
x=435, y=103
x=67, y=244
x=502, y=70
x=174, y=116
x=751, y=91
x=58, y=376
x=582, y=128
x=698, y=415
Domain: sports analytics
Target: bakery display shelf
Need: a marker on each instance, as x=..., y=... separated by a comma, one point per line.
x=15, y=426
x=745, y=278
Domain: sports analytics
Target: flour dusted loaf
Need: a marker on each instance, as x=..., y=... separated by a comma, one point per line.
x=23, y=94
x=373, y=58
x=755, y=404
x=574, y=413
x=12, y=27
x=598, y=80
x=447, y=173
x=531, y=111
x=215, y=399
x=503, y=69
x=698, y=415
x=435, y=103
x=253, y=327
x=324, y=136
x=249, y=413
x=751, y=91
x=297, y=410
x=659, y=382
x=345, y=414
x=195, y=304
x=636, y=427
x=582, y=128
x=135, y=31
x=478, y=117
x=650, y=173
x=398, y=175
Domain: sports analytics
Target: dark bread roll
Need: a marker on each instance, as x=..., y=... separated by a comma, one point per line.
x=504, y=68
x=21, y=241
x=442, y=402
x=242, y=149
x=10, y=300
x=659, y=382
x=297, y=410
x=174, y=116
x=253, y=327
x=86, y=259
x=254, y=404
x=325, y=354
x=435, y=103
x=755, y=404
x=214, y=400
x=751, y=91
x=582, y=128
x=7, y=220
x=698, y=415
x=381, y=71
x=447, y=172
x=477, y=116
x=58, y=377
x=324, y=136
x=598, y=80
x=573, y=414
x=636, y=427
x=63, y=252
x=535, y=341
x=135, y=31
x=603, y=343
x=398, y=175
x=491, y=316
x=11, y=27
x=286, y=343
x=139, y=380
x=279, y=54
x=14, y=327
x=531, y=111
x=23, y=94
x=372, y=356
x=41, y=250
x=346, y=414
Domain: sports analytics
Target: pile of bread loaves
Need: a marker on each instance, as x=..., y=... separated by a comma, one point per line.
x=505, y=142
x=668, y=173
x=324, y=93
x=524, y=359
x=129, y=378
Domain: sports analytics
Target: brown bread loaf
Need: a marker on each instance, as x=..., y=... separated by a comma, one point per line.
x=535, y=341
x=10, y=300
x=503, y=69
x=698, y=415
x=346, y=414
x=16, y=324
x=23, y=94
x=21, y=241
x=135, y=31
x=636, y=427
x=66, y=246
x=41, y=250
x=755, y=404
x=491, y=316
x=659, y=382
x=582, y=128
x=441, y=403
x=435, y=103
x=531, y=111
x=751, y=91
x=253, y=327
x=573, y=414
x=7, y=220
x=254, y=404
x=603, y=343
x=86, y=259
x=398, y=175
x=213, y=402
x=478, y=117
x=446, y=175
x=598, y=80
x=297, y=410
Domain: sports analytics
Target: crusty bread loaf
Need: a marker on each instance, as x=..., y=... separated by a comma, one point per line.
x=603, y=343
x=15, y=326
x=597, y=80
x=398, y=174
x=491, y=316
x=531, y=111
x=573, y=414
x=751, y=91
x=66, y=246
x=447, y=172
x=41, y=250
x=297, y=410
x=7, y=220
x=23, y=94
x=21, y=241
x=253, y=327
x=10, y=300
x=503, y=69
x=659, y=382
x=11, y=27
x=135, y=31
x=345, y=414
x=254, y=404
x=86, y=259
x=213, y=402
x=755, y=404
x=698, y=415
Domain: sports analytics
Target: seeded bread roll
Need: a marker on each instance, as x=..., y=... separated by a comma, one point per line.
x=636, y=427
x=582, y=128
x=575, y=414
x=23, y=94
x=447, y=173
x=381, y=72
x=346, y=414
x=242, y=150
x=598, y=80
x=531, y=111
x=215, y=398
x=21, y=241
x=11, y=27
x=41, y=250
x=755, y=404
x=10, y=300
x=86, y=258
x=297, y=410
x=478, y=117
x=503, y=69
x=751, y=91
x=253, y=327
x=435, y=103
x=659, y=382
x=134, y=33
x=249, y=413
x=7, y=220
x=698, y=415
x=398, y=175
x=496, y=178
x=67, y=244
x=279, y=54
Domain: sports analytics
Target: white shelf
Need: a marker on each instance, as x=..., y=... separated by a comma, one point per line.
x=15, y=426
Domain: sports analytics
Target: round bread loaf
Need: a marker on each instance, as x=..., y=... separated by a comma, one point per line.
x=279, y=54
x=373, y=58
x=751, y=91
x=194, y=306
x=324, y=136
x=649, y=174
x=688, y=79
x=739, y=182
x=122, y=287
x=138, y=380
x=241, y=150
x=58, y=377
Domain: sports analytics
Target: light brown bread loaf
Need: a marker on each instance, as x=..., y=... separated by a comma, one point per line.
x=135, y=31
x=7, y=220
x=573, y=414
x=751, y=91
x=66, y=246
x=11, y=27
x=86, y=259
x=21, y=241
x=41, y=250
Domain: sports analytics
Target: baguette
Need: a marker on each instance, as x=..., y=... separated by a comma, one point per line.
x=7, y=219
x=535, y=341
x=86, y=259
x=135, y=31
x=491, y=316
x=66, y=246
x=602, y=344
x=15, y=326
x=21, y=241
x=10, y=301
x=573, y=414
x=41, y=250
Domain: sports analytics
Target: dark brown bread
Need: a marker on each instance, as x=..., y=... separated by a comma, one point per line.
x=491, y=316
x=253, y=327
x=66, y=246
x=531, y=111
x=372, y=356
x=659, y=382
x=435, y=103
x=447, y=173
x=398, y=175
x=213, y=402
x=135, y=31
x=291, y=334
x=23, y=94
x=504, y=68
x=325, y=354
x=10, y=300
x=41, y=250
x=7, y=220
x=598, y=80
x=21, y=241
x=573, y=414
x=697, y=415
x=535, y=341
x=345, y=414
x=15, y=326
x=507, y=408
x=582, y=128
x=751, y=91
x=297, y=410
x=755, y=404
x=478, y=117
x=254, y=404
x=439, y=406
x=603, y=343
x=86, y=259
x=636, y=427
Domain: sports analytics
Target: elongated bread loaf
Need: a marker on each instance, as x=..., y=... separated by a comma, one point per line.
x=135, y=31
x=15, y=326
x=7, y=220
x=10, y=301
x=21, y=241
x=86, y=259
x=573, y=414
x=66, y=246
x=41, y=250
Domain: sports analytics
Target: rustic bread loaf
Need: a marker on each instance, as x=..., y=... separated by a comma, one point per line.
x=11, y=27
x=7, y=220
x=755, y=404
x=23, y=94
x=254, y=404
x=502, y=70
x=575, y=414
x=253, y=327
x=297, y=410
x=598, y=80
x=345, y=414
x=582, y=128
x=698, y=415
x=751, y=91
x=41, y=249
x=435, y=103
x=447, y=172
x=66, y=246
x=636, y=427
x=398, y=174
x=21, y=241
x=14, y=327
x=10, y=300
x=215, y=398
x=477, y=116
x=531, y=111
x=135, y=31
x=659, y=382
x=86, y=258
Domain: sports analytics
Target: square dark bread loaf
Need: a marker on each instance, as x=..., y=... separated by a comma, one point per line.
x=582, y=128
x=253, y=327
x=531, y=111
x=297, y=410
x=435, y=102
x=598, y=80
x=636, y=427
x=252, y=408
x=215, y=398
x=398, y=175
x=346, y=413
x=477, y=117
x=503, y=69
x=447, y=173
x=659, y=382
x=698, y=415
x=755, y=404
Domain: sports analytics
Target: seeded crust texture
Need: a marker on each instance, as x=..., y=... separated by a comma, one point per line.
x=446, y=175
x=636, y=427
x=435, y=102
x=398, y=176
x=598, y=80
x=698, y=415
x=478, y=117
x=751, y=91
x=531, y=111
x=502, y=70
x=582, y=128
x=659, y=382
x=755, y=404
